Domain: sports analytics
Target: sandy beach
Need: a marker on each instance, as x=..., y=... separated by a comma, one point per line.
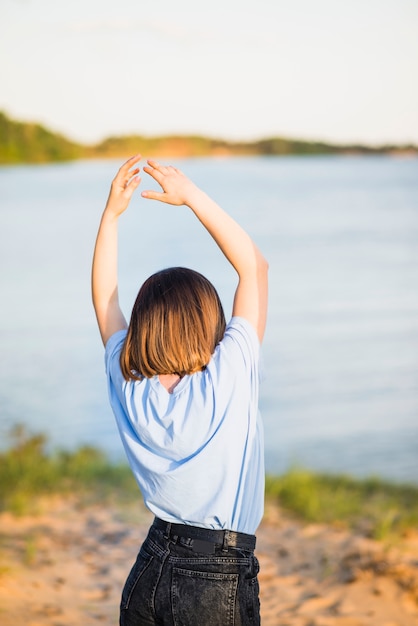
x=65, y=566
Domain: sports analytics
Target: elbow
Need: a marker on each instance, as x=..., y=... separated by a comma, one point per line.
x=265, y=265
x=262, y=273
x=262, y=264
x=255, y=265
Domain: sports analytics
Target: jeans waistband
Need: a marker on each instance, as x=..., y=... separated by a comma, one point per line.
x=223, y=538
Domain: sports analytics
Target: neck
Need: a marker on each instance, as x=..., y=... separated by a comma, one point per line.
x=169, y=381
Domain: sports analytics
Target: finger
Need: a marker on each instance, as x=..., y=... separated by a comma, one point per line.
x=156, y=174
x=150, y=170
x=153, y=163
x=132, y=173
x=164, y=169
x=129, y=163
x=134, y=179
x=132, y=185
x=122, y=179
x=154, y=195
x=123, y=174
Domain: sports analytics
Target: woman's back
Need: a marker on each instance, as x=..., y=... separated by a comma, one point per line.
x=197, y=453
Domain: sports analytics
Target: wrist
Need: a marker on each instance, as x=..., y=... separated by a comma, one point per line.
x=195, y=197
x=112, y=212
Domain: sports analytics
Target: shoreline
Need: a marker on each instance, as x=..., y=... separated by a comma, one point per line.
x=66, y=565
x=31, y=142
x=216, y=156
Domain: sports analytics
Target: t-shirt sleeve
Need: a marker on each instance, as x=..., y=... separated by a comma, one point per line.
x=113, y=349
x=116, y=382
x=237, y=356
x=241, y=336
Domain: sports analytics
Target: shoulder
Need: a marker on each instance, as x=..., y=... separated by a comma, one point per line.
x=239, y=350
x=240, y=333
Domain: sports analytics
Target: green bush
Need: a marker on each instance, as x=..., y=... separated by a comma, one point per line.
x=378, y=508
x=372, y=506
x=27, y=470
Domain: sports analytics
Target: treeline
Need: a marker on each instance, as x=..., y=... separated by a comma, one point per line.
x=22, y=142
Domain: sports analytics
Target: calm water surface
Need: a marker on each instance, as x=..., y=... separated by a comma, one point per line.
x=341, y=350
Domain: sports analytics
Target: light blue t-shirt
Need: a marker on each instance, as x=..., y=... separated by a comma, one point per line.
x=198, y=453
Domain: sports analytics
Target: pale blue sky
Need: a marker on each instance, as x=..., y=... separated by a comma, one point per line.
x=336, y=70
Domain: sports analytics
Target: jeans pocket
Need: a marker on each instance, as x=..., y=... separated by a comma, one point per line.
x=142, y=563
x=252, y=611
x=254, y=593
x=204, y=598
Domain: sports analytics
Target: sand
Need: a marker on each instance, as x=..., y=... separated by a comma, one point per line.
x=66, y=565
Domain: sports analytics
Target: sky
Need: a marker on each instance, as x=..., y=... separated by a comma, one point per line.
x=333, y=70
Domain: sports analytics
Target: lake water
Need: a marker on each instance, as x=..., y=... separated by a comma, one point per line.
x=341, y=348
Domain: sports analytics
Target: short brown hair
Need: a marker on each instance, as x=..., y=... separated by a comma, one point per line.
x=176, y=322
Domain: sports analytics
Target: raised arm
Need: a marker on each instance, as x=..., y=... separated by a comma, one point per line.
x=250, y=299
x=105, y=260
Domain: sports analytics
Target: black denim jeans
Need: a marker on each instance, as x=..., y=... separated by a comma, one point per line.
x=189, y=581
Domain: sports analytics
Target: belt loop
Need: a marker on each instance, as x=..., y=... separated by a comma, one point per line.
x=167, y=531
x=225, y=541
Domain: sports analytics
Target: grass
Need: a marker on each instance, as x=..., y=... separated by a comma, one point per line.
x=28, y=471
x=371, y=506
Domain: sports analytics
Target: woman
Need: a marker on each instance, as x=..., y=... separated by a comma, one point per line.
x=183, y=386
